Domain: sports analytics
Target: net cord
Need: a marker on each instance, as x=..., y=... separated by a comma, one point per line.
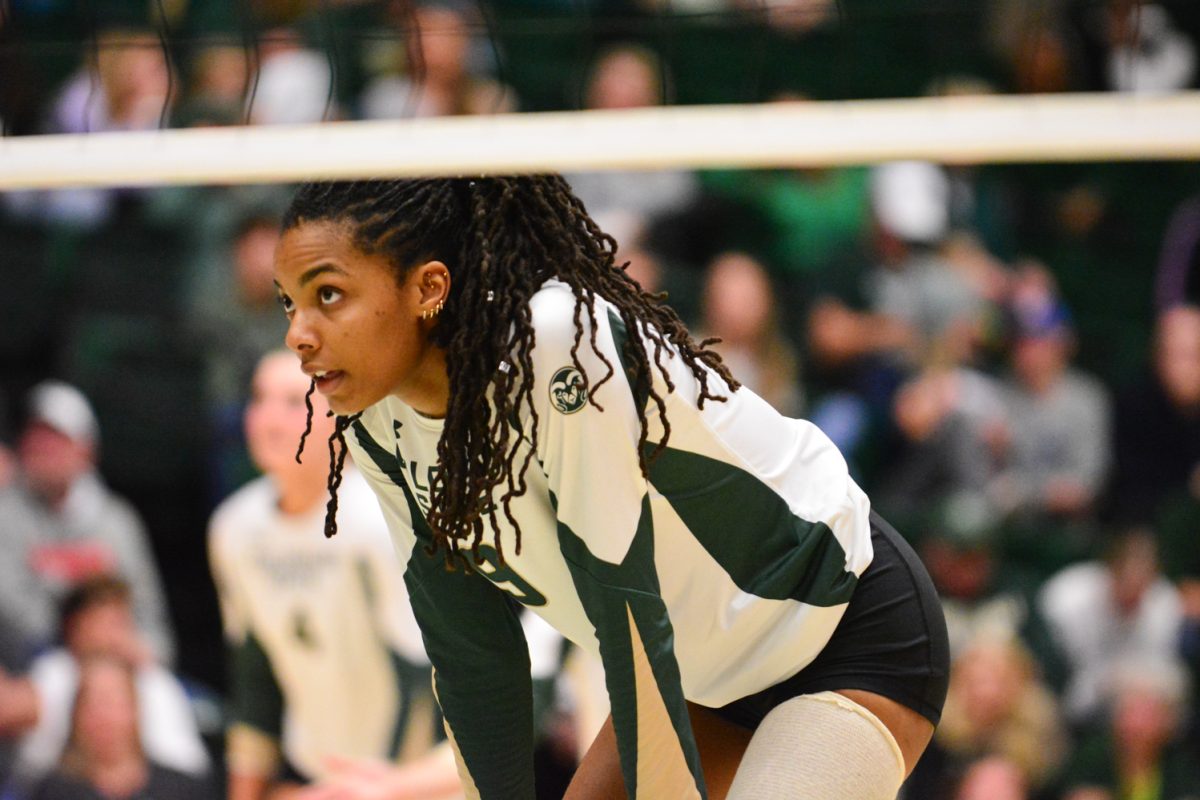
x=954, y=130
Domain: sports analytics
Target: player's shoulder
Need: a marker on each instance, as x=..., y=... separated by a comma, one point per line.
x=244, y=509
x=557, y=322
x=361, y=523
x=552, y=312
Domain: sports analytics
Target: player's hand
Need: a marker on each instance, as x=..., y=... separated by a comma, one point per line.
x=354, y=779
x=285, y=791
x=362, y=779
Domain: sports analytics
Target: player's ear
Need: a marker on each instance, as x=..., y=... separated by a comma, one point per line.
x=432, y=280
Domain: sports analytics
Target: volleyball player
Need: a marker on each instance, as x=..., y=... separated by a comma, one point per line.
x=539, y=430
x=329, y=678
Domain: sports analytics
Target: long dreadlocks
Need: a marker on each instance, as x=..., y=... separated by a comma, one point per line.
x=501, y=239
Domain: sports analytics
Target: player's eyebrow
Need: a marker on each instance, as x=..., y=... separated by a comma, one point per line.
x=310, y=274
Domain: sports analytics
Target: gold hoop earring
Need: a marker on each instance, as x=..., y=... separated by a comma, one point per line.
x=430, y=313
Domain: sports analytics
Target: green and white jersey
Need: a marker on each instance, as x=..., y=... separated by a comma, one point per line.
x=722, y=574
x=326, y=655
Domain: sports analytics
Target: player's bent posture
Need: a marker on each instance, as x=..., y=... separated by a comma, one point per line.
x=537, y=429
x=330, y=683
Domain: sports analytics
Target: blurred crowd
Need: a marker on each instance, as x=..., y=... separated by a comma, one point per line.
x=1009, y=357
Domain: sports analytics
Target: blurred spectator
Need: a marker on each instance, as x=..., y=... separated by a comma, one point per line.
x=1057, y=451
x=220, y=81
x=62, y=524
x=97, y=621
x=916, y=308
x=124, y=88
x=996, y=707
x=1178, y=278
x=992, y=778
x=330, y=679
x=739, y=309
x=8, y=459
x=913, y=283
x=1101, y=614
x=1157, y=423
x=817, y=219
x=626, y=77
x=1137, y=754
x=293, y=82
x=444, y=76
x=235, y=311
x=234, y=318
x=1142, y=50
x=127, y=91
x=1032, y=39
x=984, y=596
x=1189, y=649
x=105, y=756
x=920, y=306
x=944, y=419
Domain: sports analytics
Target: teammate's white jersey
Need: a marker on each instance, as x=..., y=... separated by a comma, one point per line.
x=327, y=658
x=723, y=574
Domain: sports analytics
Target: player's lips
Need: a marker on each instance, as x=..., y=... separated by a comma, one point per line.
x=326, y=380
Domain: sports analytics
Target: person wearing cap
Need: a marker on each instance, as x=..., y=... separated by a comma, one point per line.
x=1057, y=447
x=62, y=524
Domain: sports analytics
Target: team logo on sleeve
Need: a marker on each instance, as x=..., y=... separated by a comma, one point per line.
x=568, y=392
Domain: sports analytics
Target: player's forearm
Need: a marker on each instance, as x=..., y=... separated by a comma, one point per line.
x=243, y=786
x=252, y=758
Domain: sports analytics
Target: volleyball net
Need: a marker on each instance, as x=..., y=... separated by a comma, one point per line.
x=953, y=130
x=181, y=97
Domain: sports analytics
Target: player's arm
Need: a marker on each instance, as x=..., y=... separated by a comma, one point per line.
x=473, y=638
x=418, y=725
x=252, y=749
x=606, y=533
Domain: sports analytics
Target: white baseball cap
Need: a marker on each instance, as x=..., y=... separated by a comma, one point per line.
x=911, y=199
x=63, y=408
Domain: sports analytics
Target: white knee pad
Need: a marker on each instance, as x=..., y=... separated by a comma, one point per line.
x=820, y=747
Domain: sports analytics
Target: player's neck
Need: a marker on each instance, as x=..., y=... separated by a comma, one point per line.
x=300, y=494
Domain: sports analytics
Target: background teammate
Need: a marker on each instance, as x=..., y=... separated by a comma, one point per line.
x=329, y=679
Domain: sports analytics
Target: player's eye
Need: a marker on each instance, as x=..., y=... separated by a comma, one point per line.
x=288, y=305
x=327, y=295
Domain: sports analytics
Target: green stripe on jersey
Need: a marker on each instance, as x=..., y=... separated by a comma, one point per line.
x=257, y=699
x=610, y=595
x=792, y=558
x=474, y=639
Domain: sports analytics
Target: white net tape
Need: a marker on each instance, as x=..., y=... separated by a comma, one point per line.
x=955, y=130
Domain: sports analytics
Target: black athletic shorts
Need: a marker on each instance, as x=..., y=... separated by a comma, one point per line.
x=891, y=641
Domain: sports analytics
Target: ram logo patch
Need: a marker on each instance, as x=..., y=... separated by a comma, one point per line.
x=568, y=390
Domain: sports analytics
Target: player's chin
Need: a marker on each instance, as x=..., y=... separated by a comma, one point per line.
x=347, y=408
x=346, y=403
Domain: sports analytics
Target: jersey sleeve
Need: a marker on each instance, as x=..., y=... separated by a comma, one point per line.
x=418, y=725
x=255, y=703
x=473, y=638
x=606, y=532
x=384, y=576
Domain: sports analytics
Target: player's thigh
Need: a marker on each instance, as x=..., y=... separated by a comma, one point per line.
x=719, y=742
